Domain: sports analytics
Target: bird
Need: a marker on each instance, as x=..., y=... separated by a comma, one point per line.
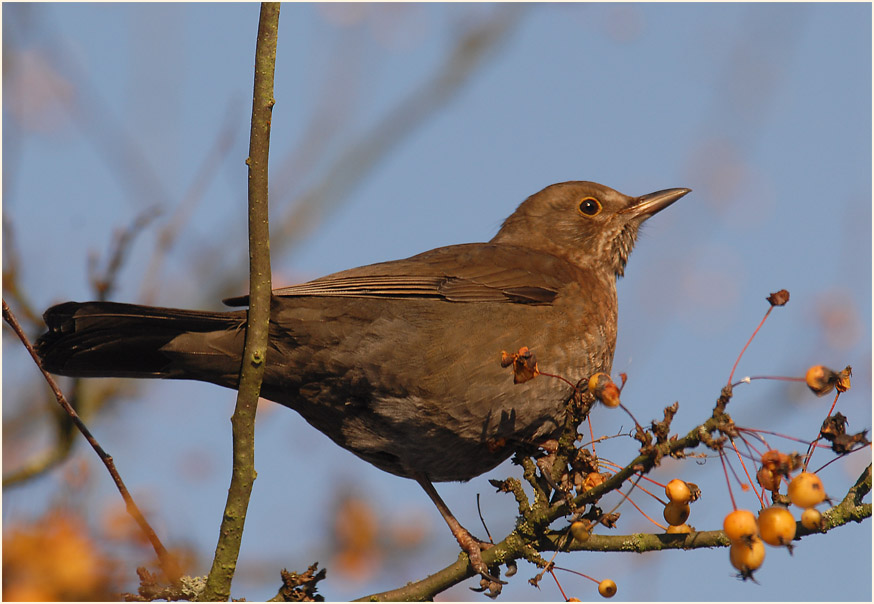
x=405, y=363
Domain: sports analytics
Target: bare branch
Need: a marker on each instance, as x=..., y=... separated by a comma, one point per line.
x=168, y=563
x=218, y=583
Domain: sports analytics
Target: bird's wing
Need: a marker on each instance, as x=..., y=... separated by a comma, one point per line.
x=481, y=272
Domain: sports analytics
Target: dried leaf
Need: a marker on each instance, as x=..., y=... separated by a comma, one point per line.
x=843, y=379
x=524, y=364
x=833, y=426
x=844, y=443
x=779, y=298
x=301, y=587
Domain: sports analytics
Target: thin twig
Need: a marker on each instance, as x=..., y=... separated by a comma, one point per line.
x=483, y=520
x=169, y=234
x=122, y=241
x=11, y=265
x=167, y=562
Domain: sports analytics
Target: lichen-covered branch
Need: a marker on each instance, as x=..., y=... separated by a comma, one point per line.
x=532, y=537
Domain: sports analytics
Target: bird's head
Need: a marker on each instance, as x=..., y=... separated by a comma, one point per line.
x=588, y=224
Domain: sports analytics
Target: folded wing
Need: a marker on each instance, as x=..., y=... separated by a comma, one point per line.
x=478, y=272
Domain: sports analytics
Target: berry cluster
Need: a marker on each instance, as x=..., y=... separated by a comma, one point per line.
x=775, y=524
x=680, y=494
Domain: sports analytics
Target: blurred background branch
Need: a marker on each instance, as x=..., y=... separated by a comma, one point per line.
x=301, y=213
x=474, y=43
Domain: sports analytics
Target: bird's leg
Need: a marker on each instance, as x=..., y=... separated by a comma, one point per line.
x=470, y=544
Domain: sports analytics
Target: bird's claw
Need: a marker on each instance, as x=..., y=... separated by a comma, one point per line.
x=488, y=583
x=473, y=547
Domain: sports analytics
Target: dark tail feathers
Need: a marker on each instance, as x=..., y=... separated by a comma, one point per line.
x=109, y=339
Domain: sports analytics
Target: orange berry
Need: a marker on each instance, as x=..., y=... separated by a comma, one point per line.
x=607, y=588
x=806, y=490
x=773, y=458
x=747, y=557
x=740, y=525
x=776, y=525
x=678, y=491
x=581, y=530
x=676, y=513
x=598, y=381
x=781, y=463
x=768, y=479
x=573, y=600
x=604, y=389
x=682, y=529
x=820, y=379
x=592, y=480
x=811, y=519
x=695, y=490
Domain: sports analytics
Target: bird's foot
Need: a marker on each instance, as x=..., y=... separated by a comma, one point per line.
x=474, y=547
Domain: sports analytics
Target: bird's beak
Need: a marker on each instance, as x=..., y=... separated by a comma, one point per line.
x=647, y=205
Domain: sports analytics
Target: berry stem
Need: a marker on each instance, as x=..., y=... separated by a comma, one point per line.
x=576, y=572
x=811, y=448
x=781, y=378
x=645, y=515
x=563, y=595
x=752, y=451
x=762, y=322
x=610, y=464
x=624, y=496
x=591, y=434
x=744, y=466
x=727, y=479
x=636, y=425
x=558, y=377
x=828, y=463
x=653, y=495
x=756, y=431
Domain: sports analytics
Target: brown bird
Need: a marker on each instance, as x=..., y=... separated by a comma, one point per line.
x=401, y=362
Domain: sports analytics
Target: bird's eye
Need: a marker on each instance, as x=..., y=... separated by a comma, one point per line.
x=590, y=206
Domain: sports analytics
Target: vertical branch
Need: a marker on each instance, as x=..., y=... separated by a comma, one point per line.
x=218, y=584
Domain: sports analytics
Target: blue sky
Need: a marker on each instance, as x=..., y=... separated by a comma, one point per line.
x=764, y=110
